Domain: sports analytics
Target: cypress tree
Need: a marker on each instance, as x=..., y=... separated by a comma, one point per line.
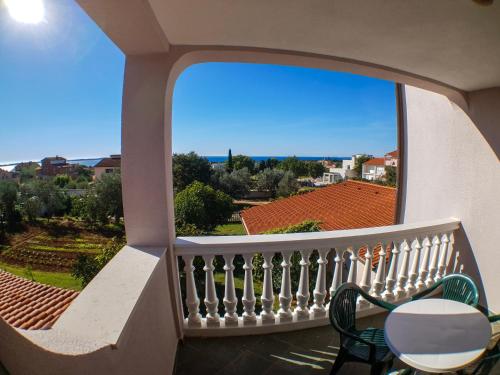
x=229, y=163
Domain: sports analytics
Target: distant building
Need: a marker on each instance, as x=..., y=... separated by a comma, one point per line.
x=392, y=158
x=374, y=169
x=8, y=175
x=335, y=175
x=107, y=165
x=29, y=164
x=54, y=165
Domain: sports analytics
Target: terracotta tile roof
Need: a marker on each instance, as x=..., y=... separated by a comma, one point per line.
x=29, y=305
x=347, y=205
x=393, y=154
x=375, y=161
x=109, y=163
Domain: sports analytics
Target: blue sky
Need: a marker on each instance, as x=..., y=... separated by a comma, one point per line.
x=61, y=86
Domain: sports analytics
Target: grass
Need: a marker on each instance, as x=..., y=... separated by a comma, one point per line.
x=68, y=248
x=231, y=229
x=59, y=279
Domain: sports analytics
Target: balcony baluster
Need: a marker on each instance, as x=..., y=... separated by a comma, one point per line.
x=403, y=271
x=192, y=300
x=390, y=281
x=211, y=300
x=248, y=300
x=367, y=273
x=302, y=310
x=434, y=262
x=230, y=300
x=267, y=298
x=410, y=286
x=320, y=287
x=424, y=265
x=378, y=284
x=285, y=296
x=337, y=272
x=443, y=258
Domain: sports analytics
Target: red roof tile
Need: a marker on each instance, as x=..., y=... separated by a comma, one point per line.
x=375, y=161
x=29, y=305
x=347, y=205
x=393, y=154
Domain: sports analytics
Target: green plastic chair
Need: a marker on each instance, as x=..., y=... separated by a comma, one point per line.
x=365, y=346
x=456, y=287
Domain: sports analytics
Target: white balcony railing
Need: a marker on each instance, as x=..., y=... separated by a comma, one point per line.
x=411, y=257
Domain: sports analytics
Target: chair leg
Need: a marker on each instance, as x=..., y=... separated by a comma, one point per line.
x=339, y=361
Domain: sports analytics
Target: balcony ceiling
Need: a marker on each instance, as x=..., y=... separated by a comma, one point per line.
x=456, y=42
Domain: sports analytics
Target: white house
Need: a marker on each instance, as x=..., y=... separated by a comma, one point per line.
x=335, y=175
x=374, y=169
x=107, y=165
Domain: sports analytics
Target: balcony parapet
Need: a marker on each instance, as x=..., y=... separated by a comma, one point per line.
x=411, y=257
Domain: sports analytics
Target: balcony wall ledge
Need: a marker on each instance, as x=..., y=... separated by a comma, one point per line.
x=115, y=316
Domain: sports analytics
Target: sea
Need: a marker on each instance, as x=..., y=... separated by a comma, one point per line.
x=212, y=159
x=222, y=159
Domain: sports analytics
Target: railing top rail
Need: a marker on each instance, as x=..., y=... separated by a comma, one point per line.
x=316, y=240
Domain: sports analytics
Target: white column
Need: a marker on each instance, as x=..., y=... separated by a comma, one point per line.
x=410, y=286
x=230, y=300
x=285, y=296
x=320, y=287
x=248, y=300
x=378, y=284
x=211, y=300
x=424, y=265
x=443, y=258
x=434, y=262
x=267, y=298
x=353, y=268
x=337, y=272
x=367, y=274
x=192, y=300
x=302, y=311
x=390, y=281
x=403, y=272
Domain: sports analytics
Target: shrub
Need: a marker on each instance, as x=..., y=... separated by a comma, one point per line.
x=87, y=267
x=202, y=206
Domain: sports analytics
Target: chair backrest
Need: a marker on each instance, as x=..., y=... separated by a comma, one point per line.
x=460, y=288
x=343, y=307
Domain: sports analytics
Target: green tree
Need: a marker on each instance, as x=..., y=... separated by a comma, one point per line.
x=288, y=185
x=187, y=168
x=295, y=165
x=53, y=200
x=83, y=173
x=272, y=163
x=32, y=208
x=391, y=176
x=315, y=169
x=87, y=267
x=236, y=184
x=229, y=162
x=203, y=206
x=269, y=180
x=27, y=173
x=62, y=180
x=243, y=161
x=358, y=165
x=108, y=189
x=9, y=215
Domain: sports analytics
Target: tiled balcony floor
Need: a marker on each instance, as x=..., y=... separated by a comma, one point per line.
x=309, y=351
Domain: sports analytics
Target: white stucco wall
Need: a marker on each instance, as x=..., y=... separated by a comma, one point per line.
x=464, y=183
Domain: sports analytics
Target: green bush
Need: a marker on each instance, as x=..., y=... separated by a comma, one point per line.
x=87, y=267
x=202, y=206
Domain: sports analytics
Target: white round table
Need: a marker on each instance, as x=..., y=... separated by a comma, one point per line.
x=437, y=335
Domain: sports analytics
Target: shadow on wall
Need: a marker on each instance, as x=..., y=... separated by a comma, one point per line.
x=484, y=111
x=463, y=260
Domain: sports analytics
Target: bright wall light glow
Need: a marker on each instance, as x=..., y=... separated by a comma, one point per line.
x=26, y=11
